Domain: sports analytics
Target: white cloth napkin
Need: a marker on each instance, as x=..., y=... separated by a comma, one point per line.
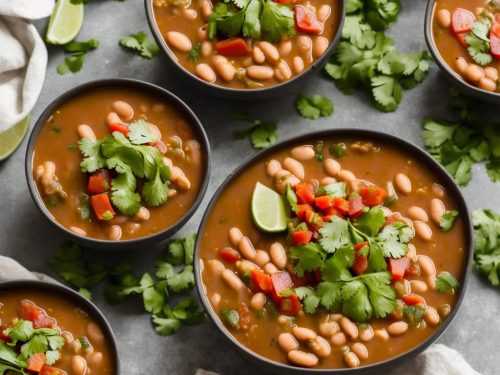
x=23, y=58
x=437, y=360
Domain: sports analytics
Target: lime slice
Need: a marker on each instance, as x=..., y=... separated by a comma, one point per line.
x=12, y=138
x=268, y=209
x=65, y=22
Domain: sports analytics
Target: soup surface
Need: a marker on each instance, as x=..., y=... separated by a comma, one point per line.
x=77, y=345
x=286, y=297
x=247, y=44
x=88, y=193
x=467, y=35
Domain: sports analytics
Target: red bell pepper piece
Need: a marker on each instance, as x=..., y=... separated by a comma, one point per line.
x=301, y=237
x=102, y=206
x=356, y=206
x=413, y=299
x=27, y=310
x=398, y=267
x=306, y=21
x=49, y=370
x=323, y=202
x=36, y=362
x=118, y=127
x=3, y=337
x=461, y=21
x=341, y=205
x=314, y=220
x=99, y=182
x=262, y=281
x=302, y=209
x=372, y=195
x=232, y=47
x=229, y=255
x=290, y=305
x=360, y=264
x=495, y=40
x=305, y=193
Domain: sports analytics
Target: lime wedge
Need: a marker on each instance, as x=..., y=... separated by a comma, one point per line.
x=65, y=22
x=12, y=138
x=268, y=209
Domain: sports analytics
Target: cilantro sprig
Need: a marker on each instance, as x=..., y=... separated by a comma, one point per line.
x=262, y=134
x=478, y=42
x=487, y=244
x=461, y=143
x=77, y=50
x=140, y=44
x=365, y=57
x=313, y=107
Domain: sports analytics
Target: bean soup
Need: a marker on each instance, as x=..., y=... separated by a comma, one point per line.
x=117, y=164
x=247, y=44
x=341, y=254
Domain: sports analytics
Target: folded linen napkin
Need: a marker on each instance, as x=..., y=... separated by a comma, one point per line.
x=437, y=360
x=23, y=58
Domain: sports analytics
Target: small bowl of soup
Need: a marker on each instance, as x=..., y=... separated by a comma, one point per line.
x=49, y=329
x=118, y=163
x=338, y=251
x=464, y=39
x=246, y=49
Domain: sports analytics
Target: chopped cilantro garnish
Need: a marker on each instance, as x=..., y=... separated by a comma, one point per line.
x=414, y=314
x=194, y=53
x=139, y=133
x=140, y=44
x=478, y=42
x=447, y=220
x=319, y=151
x=231, y=317
x=446, y=283
x=312, y=107
x=338, y=149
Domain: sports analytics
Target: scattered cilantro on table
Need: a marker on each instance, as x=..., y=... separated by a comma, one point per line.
x=487, y=244
x=74, y=62
x=365, y=56
x=313, y=107
x=140, y=44
x=174, y=275
x=262, y=134
x=461, y=143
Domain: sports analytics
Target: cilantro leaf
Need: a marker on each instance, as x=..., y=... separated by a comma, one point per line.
x=330, y=294
x=314, y=106
x=188, y=242
x=183, y=280
x=386, y=91
x=370, y=222
x=336, y=267
x=155, y=192
x=76, y=46
x=376, y=260
x=175, y=252
x=194, y=53
x=394, y=239
x=493, y=170
x=164, y=270
x=262, y=134
x=276, y=20
x=487, y=244
x=382, y=296
x=309, y=257
x=446, y=283
x=72, y=63
x=437, y=133
x=93, y=160
x=166, y=326
x=333, y=190
x=447, y=220
x=140, y=43
x=478, y=42
x=335, y=234
x=139, y=133
x=356, y=303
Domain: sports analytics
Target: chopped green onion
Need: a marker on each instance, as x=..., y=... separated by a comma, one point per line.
x=232, y=317
x=338, y=150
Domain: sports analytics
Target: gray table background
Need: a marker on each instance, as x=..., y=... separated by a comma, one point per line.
x=27, y=237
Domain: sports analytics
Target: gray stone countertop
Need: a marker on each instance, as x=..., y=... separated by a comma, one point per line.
x=26, y=236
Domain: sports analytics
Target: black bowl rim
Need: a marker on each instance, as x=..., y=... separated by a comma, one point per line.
x=392, y=140
x=443, y=65
x=147, y=87
x=77, y=299
x=270, y=90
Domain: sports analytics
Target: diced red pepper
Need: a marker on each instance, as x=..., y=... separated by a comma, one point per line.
x=3, y=337
x=118, y=127
x=360, y=245
x=398, y=267
x=372, y=195
x=360, y=264
x=413, y=299
x=356, y=206
x=232, y=47
x=331, y=211
x=313, y=220
x=290, y=305
x=281, y=281
x=245, y=316
x=305, y=20
x=49, y=370
x=393, y=218
x=305, y=193
x=341, y=205
x=302, y=209
x=27, y=310
x=99, y=181
x=282, y=1
x=229, y=255
x=301, y=237
x=296, y=280
x=495, y=40
x=323, y=202
x=262, y=281
x=36, y=362
x=462, y=21
x=102, y=206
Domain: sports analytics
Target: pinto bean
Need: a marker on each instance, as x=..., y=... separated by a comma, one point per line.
x=287, y=342
x=422, y=230
x=437, y=210
x=270, y=51
x=246, y=248
x=443, y=18
x=270, y=268
x=431, y=316
x=360, y=350
x=397, y=328
x=328, y=328
x=332, y=167
x=303, y=359
x=426, y=265
x=215, y=267
x=418, y=213
x=338, y=339
x=115, y=232
x=258, y=301
x=205, y=72
x=78, y=365
x=232, y=280
x=487, y=84
x=349, y=328
x=123, y=109
x=85, y=131
x=261, y=258
x=351, y=359
x=320, y=347
x=295, y=167
x=278, y=255
x=178, y=41
x=303, y=334
x=235, y=236
x=403, y=183
x=320, y=45
x=366, y=334
x=298, y=64
x=259, y=73
x=323, y=12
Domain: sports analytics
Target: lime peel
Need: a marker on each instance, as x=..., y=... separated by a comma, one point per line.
x=65, y=22
x=268, y=209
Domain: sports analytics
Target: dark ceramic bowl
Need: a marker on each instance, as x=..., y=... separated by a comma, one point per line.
x=463, y=86
x=292, y=85
x=74, y=298
x=423, y=158
x=137, y=243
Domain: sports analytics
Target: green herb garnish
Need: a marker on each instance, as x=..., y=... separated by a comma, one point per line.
x=74, y=62
x=262, y=133
x=140, y=44
x=446, y=283
x=313, y=107
x=231, y=317
x=447, y=220
x=487, y=244
x=194, y=53
x=338, y=149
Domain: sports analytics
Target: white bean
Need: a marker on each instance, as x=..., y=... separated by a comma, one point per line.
x=215, y=300
x=215, y=267
x=273, y=166
x=323, y=12
x=422, y=230
x=282, y=72
x=366, y=334
x=95, y=360
x=327, y=181
x=78, y=365
x=320, y=347
x=142, y=215
x=303, y=359
x=178, y=41
x=206, y=9
x=190, y=14
x=287, y=342
x=85, y=131
x=382, y=334
x=246, y=266
x=270, y=51
x=431, y=316
x=346, y=175
x=437, y=210
x=258, y=301
x=360, y=350
x=418, y=286
x=320, y=45
x=68, y=337
x=295, y=167
x=259, y=73
x=232, y=280
x=285, y=47
x=351, y=359
x=225, y=70
x=418, y=213
x=278, y=255
x=328, y=328
x=115, y=232
x=235, y=236
x=403, y=183
x=205, y=72
x=261, y=258
x=78, y=231
x=303, y=334
x=257, y=55
x=123, y=109
x=203, y=33
x=338, y=339
x=298, y=64
x=397, y=328
x=246, y=248
x=332, y=167
x=94, y=333
x=206, y=48
x=270, y=268
x=349, y=328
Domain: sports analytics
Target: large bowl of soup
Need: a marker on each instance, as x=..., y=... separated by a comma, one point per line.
x=464, y=39
x=49, y=329
x=334, y=251
x=246, y=49
x=118, y=164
